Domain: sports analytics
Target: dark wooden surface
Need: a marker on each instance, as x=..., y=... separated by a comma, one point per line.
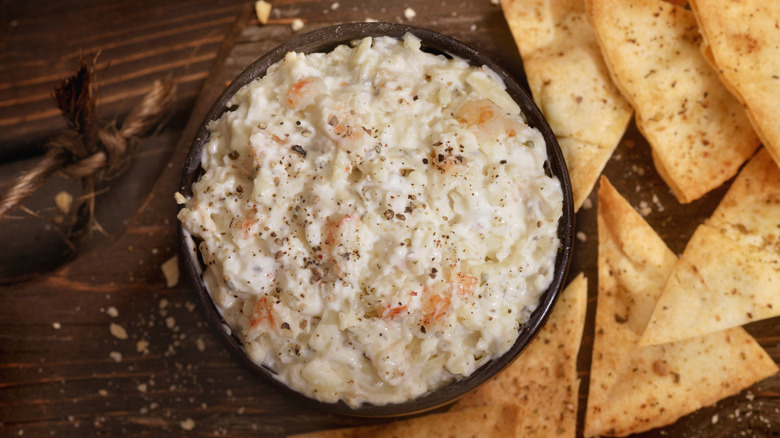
x=71, y=380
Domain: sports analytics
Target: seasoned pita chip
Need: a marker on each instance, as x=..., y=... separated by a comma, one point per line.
x=729, y=273
x=570, y=83
x=633, y=388
x=543, y=380
x=699, y=132
x=497, y=420
x=740, y=38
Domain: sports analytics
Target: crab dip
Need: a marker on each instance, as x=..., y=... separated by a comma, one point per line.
x=375, y=221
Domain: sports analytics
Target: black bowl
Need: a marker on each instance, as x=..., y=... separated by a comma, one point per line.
x=325, y=40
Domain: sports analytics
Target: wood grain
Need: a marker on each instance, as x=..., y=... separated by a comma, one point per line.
x=61, y=371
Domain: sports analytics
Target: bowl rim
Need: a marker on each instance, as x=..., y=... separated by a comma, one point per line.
x=325, y=40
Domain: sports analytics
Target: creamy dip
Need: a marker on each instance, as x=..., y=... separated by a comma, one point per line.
x=375, y=221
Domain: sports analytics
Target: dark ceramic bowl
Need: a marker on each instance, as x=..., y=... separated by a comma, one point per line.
x=325, y=40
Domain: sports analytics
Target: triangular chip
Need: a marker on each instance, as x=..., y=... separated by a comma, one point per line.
x=633, y=388
x=570, y=83
x=729, y=274
x=543, y=380
x=741, y=39
x=496, y=420
x=698, y=131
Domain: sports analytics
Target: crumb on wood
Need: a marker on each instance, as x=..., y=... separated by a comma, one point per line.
x=409, y=13
x=141, y=345
x=118, y=331
x=170, y=270
x=263, y=11
x=187, y=424
x=297, y=24
x=644, y=208
x=587, y=204
x=63, y=200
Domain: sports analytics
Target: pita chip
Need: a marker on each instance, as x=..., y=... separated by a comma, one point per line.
x=729, y=273
x=497, y=420
x=699, y=132
x=741, y=39
x=635, y=389
x=543, y=380
x=570, y=83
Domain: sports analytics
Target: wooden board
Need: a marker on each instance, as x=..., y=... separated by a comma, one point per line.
x=62, y=370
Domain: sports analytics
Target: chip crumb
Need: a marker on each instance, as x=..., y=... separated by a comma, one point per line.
x=297, y=24
x=117, y=356
x=118, y=331
x=263, y=11
x=200, y=344
x=409, y=13
x=63, y=200
x=334, y=6
x=715, y=419
x=188, y=424
x=163, y=303
x=142, y=387
x=112, y=312
x=180, y=199
x=582, y=236
x=750, y=396
x=102, y=392
x=56, y=325
x=141, y=346
x=170, y=322
x=170, y=270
